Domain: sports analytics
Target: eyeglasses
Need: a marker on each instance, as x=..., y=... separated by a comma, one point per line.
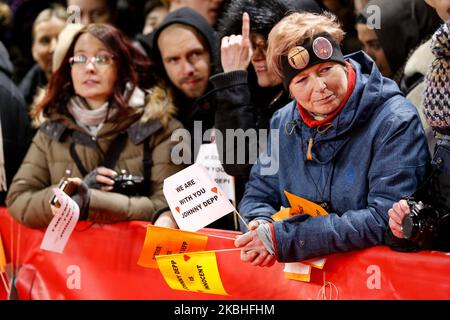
x=100, y=60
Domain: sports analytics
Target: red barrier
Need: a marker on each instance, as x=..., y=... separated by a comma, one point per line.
x=103, y=258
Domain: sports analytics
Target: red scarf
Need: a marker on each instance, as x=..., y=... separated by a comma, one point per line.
x=309, y=120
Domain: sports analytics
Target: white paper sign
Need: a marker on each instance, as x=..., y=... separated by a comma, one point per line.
x=195, y=199
x=62, y=225
x=208, y=156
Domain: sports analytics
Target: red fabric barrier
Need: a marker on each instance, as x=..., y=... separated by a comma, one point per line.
x=104, y=257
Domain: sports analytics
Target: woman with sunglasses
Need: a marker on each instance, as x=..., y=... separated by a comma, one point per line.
x=107, y=129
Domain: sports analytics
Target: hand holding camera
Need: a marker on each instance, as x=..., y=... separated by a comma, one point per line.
x=106, y=179
x=397, y=214
x=417, y=222
x=101, y=178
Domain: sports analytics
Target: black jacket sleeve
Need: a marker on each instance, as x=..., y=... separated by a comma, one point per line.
x=234, y=110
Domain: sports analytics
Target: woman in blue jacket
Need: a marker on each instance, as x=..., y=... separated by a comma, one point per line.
x=349, y=142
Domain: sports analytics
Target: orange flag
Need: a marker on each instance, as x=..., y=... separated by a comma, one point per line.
x=299, y=205
x=2, y=257
x=195, y=271
x=301, y=271
x=166, y=241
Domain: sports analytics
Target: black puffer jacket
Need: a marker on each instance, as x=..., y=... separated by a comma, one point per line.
x=14, y=119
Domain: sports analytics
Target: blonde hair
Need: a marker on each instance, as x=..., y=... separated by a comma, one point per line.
x=294, y=29
x=56, y=11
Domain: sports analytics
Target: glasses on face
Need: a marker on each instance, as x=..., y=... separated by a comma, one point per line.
x=100, y=60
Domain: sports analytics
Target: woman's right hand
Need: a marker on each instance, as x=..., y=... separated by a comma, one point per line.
x=101, y=178
x=397, y=214
x=166, y=220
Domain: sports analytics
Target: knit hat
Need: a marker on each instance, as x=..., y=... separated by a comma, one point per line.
x=436, y=96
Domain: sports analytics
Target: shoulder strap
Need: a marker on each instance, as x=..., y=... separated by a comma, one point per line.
x=114, y=150
x=148, y=164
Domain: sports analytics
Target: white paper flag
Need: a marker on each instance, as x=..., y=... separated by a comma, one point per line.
x=195, y=199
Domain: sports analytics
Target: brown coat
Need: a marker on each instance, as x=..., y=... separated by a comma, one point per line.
x=49, y=159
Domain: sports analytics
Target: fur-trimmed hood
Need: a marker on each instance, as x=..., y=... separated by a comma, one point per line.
x=158, y=106
x=264, y=14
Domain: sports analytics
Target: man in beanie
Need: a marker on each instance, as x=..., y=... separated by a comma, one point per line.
x=184, y=49
x=433, y=232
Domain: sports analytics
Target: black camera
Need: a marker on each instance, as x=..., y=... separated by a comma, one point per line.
x=129, y=185
x=426, y=226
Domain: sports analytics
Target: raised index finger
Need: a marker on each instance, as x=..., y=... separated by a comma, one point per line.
x=245, y=26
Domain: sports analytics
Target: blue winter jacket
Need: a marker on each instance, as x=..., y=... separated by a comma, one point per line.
x=375, y=153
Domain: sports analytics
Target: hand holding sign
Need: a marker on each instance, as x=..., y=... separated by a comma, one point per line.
x=62, y=225
x=236, y=50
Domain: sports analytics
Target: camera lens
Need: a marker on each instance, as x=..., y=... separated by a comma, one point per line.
x=410, y=227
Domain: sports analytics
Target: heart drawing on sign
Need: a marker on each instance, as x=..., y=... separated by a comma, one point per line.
x=178, y=209
x=214, y=189
x=186, y=257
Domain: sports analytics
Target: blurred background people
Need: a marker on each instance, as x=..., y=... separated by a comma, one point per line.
x=15, y=133
x=155, y=12
x=349, y=142
x=247, y=92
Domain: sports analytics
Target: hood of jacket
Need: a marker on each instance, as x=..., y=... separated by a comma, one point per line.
x=404, y=24
x=5, y=63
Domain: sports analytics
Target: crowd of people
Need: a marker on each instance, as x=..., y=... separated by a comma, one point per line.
x=352, y=97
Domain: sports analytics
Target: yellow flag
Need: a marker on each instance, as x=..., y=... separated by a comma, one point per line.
x=2, y=257
x=165, y=241
x=196, y=271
